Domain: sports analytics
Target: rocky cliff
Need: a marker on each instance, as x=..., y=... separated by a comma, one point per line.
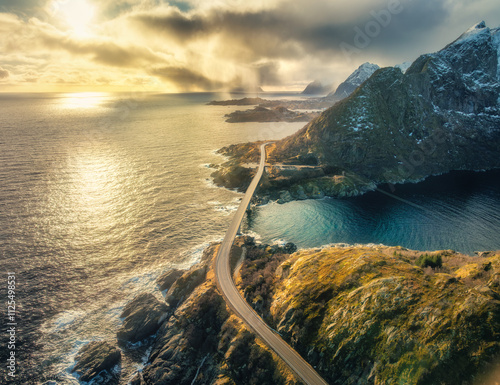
x=442, y=114
x=360, y=314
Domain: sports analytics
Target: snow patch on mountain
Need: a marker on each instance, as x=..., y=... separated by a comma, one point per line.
x=357, y=78
x=404, y=66
x=473, y=32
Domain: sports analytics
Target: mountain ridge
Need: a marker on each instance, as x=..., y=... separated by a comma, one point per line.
x=442, y=114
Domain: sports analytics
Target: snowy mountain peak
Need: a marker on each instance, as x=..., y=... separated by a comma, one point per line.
x=363, y=72
x=479, y=25
x=473, y=32
x=357, y=78
x=403, y=66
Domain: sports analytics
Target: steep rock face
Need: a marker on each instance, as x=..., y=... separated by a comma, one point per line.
x=143, y=317
x=203, y=343
x=167, y=279
x=94, y=359
x=442, y=114
x=357, y=78
x=185, y=285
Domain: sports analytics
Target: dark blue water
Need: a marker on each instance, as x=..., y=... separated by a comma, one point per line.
x=458, y=211
x=101, y=193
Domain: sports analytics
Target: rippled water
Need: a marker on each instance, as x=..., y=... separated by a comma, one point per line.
x=102, y=193
x=99, y=195
x=458, y=211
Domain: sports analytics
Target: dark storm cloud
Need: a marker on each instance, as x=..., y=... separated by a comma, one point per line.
x=283, y=32
x=103, y=51
x=268, y=73
x=185, y=78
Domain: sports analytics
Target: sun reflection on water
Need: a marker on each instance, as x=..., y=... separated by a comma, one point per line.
x=82, y=100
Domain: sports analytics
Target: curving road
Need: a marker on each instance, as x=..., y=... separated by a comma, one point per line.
x=233, y=298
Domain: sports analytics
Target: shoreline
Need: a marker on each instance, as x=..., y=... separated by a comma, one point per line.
x=194, y=293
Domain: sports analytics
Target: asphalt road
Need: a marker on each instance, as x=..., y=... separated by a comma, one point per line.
x=233, y=298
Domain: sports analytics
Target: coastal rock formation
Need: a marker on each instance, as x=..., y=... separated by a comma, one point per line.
x=360, y=314
x=167, y=279
x=185, y=285
x=143, y=317
x=94, y=358
x=203, y=343
x=443, y=114
x=237, y=102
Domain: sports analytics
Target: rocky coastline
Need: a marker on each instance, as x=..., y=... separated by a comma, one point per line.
x=359, y=313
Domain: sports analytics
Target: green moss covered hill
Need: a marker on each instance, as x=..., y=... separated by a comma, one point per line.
x=383, y=315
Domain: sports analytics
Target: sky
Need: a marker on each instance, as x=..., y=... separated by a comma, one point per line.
x=209, y=45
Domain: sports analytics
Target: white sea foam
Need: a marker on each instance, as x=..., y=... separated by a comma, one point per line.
x=253, y=234
x=63, y=321
x=209, y=182
x=279, y=241
x=226, y=210
x=192, y=256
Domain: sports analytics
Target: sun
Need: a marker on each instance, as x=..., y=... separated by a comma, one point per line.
x=78, y=15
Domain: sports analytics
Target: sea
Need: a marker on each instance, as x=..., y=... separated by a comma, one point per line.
x=101, y=193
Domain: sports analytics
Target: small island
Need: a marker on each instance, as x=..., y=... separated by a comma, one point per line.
x=276, y=114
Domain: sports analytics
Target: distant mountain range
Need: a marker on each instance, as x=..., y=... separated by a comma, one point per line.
x=442, y=114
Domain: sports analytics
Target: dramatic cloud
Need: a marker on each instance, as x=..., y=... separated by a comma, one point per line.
x=103, y=51
x=289, y=31
x=185, y=79
x=211, y=44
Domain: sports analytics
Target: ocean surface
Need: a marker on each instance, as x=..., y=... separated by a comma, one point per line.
x=101, y=193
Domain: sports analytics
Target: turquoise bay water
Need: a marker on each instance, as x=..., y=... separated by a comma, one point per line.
x=101, y=193
x=457, y=211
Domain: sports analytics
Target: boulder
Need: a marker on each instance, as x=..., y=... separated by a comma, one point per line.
x=143, y=317
x=185, y=285
x=94, y=358
x=285, y=197
x=167, y=279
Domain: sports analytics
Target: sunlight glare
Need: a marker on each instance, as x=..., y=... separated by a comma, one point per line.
x=82, y=100
x=77, y=14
